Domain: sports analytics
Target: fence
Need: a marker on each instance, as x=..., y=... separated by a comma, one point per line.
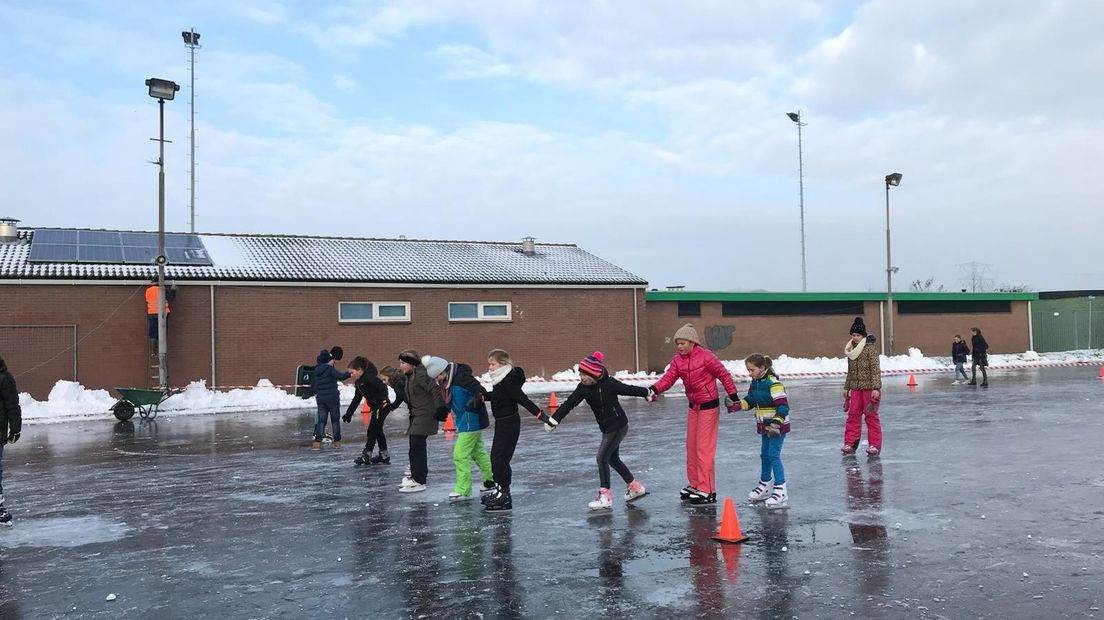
x=39, y=355
x=1067, y=325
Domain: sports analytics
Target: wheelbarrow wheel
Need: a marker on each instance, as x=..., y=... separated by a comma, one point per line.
x=123, y=410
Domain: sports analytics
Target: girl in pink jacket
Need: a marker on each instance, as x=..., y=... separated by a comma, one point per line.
x=699, y=370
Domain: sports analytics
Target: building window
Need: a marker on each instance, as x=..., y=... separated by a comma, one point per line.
x=790, y=308
x=689, y=308
x=373, y=311
x=480, y=311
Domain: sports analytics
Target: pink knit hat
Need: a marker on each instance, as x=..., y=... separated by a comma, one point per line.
x=592, y=365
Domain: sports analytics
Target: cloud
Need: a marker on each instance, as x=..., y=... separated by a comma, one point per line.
x=468, y=62
x=344, y=83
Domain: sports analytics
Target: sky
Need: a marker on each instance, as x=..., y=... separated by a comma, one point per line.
x=650, y=133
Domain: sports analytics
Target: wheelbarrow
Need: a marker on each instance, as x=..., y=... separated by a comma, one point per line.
x=146, y=401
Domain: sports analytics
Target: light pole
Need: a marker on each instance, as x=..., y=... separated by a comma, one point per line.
x=191, y=41
x=796, y=118
x=891, y=180
x=161, y=90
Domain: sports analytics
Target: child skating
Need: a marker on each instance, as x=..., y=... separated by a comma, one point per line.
x=862, y=392
x=461, y=393
x=367, y=386
x=327, y=398
x=766, y=398
x=600, y=391
x=699, y=369
x=506, y=395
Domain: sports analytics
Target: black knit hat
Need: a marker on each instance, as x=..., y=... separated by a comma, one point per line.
x=410, y=356
x=337, y=353
x=858, y=327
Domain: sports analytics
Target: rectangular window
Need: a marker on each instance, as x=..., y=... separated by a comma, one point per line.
x=689, y=308
x=954, y=307
x=791, y=308
x=373, y=311
x=480, y=311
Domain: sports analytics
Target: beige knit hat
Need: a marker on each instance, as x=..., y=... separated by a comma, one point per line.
x=687, y=332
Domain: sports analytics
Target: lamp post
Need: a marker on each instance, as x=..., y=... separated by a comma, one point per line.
x=161, y=90
x=796, y=118
x=891, y=180
x=191, y=41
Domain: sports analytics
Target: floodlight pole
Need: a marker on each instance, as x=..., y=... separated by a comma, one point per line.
x=191, y=41
x=891, y=180
x=162, y=332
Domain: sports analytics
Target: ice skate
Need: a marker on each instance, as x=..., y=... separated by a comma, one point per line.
x=327, y=438
x=635, y=491
x=5, y=518
x=337, y=445
x=761, y=491
x=873, y=451
x=406, y=482
x=686, y=492
x=457, y=497
x=316, y=445
x=701, y=498
x=381, y=459
x=416, y=487
x=489, y=486
x=604, y=501
x=499, y=502
x=363, y=459
x=778, y=498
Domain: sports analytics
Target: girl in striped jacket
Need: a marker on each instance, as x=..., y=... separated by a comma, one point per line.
x=767, y=399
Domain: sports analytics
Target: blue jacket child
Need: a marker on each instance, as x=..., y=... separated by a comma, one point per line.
x=328, y=398
x=463, y=397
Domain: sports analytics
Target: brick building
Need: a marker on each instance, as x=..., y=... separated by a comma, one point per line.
x=255, y=306
x=816, y=324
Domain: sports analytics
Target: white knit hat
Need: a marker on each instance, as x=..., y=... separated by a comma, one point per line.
x=434, y=365
x=687, y=332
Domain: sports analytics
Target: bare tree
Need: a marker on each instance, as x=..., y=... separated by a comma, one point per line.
x=925, y=286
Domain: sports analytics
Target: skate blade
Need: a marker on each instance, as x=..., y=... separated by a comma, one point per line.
x=644, y=494
x=460, y=500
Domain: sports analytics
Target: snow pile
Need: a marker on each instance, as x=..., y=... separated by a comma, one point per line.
x=68, y=400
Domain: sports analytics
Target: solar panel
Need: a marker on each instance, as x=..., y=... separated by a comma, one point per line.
x=114, y=247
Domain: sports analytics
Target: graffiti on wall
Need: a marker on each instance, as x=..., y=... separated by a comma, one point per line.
x=718, y=337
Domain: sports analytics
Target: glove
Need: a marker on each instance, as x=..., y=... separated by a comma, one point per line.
x=652, y=394
x=442, y=413
x=13, y=436
x=732, y=403
x=543, y=417
x=771, y=429
x=347, y=418
x=550, y=424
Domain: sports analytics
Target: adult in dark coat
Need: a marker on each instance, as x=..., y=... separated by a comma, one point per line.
x=423, y=397
x=11, y=425
x=981, y=357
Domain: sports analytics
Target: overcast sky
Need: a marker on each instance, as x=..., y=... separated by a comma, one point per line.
x=651, y=133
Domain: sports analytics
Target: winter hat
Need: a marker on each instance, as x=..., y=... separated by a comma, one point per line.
x=434, y=365
x=592, y=365
x=687, y=332
x=324, y=357
x=410, y=356
x=858, y=327
x=337, y=352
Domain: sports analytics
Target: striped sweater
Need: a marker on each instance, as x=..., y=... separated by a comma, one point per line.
x=767, y=399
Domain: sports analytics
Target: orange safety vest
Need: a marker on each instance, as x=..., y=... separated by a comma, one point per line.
x=151, y=300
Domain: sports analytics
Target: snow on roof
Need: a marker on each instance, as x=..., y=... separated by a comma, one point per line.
x=282, y=258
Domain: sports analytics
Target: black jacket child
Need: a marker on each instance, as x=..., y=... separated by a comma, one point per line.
x=602, y=398
x=11, y=415
x=960, y=352
x=507, y=395
x=371, y=389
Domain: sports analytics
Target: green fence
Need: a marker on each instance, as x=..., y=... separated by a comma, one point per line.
x=1068, y=324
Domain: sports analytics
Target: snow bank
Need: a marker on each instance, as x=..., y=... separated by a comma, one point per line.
x=68, y=400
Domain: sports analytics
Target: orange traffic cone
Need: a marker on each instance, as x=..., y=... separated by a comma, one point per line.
x=912, y=380
x=730, y=525
x=552, y=404
x=365, y=413
x=1102, y=372
x=450, y=424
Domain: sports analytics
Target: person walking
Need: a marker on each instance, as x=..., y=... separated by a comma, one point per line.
x=862, y=392
x=960, y=352
x=981, y=357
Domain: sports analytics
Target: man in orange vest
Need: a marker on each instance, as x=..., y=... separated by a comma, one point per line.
x=151, y=309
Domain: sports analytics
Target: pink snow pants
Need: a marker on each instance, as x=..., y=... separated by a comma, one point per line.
x=860, y=405
x=701, y=448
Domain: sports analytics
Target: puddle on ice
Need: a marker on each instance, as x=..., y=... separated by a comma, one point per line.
x=63, y=532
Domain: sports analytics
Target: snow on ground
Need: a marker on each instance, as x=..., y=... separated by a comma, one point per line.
x=68, y=400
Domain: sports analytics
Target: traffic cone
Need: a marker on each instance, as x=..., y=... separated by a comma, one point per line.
x=730, y=525
x=553, y=405
x=912, y=380
x=1102, y=372
x=450, y=424
x=365, y=412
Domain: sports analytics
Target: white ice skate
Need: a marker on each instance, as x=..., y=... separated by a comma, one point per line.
x=761, y=492
x=604, y=501
x=778, y=497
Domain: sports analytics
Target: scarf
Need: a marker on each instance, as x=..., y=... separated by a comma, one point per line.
x=852, y=350
x=500, y=373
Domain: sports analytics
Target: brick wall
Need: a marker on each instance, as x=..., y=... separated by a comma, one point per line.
x=813, y=336
x=265, y=331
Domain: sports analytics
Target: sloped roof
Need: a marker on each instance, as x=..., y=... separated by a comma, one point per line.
x=280, y=258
